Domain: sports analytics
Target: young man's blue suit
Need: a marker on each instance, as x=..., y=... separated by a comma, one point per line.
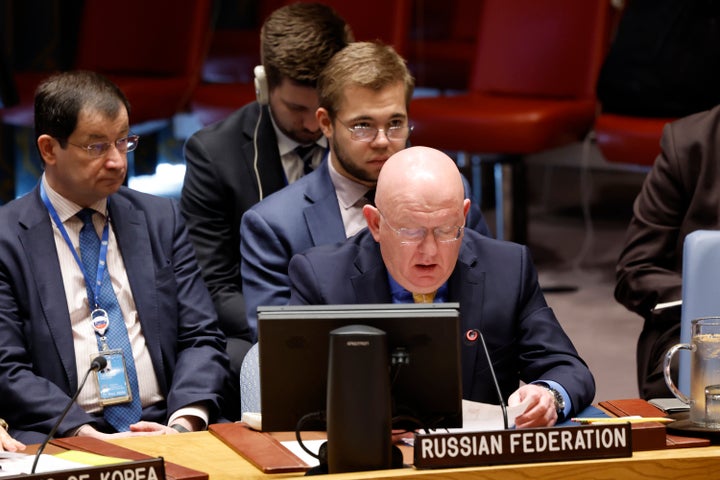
x=302, y=215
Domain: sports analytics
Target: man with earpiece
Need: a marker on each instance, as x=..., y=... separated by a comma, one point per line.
x=364, y=93
x=236, y=162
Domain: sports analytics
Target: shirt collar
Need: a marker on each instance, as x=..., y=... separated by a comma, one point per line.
x=348, y=191
x=401, y=295
x=67, y=209
x=286, y=144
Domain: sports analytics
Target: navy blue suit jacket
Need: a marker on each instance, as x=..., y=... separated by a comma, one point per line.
x=302, y=215
x=496, y=285
x=37, y=362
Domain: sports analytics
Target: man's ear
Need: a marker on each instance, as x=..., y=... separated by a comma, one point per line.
x=372, y=217
x=46, y=145
x=323, y=118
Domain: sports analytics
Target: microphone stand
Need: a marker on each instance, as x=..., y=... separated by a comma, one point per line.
x=492, y=374
x=98, y=363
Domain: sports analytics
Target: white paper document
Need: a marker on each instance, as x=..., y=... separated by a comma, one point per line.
x=480, y=417
x=312, y=445
x=18, y=463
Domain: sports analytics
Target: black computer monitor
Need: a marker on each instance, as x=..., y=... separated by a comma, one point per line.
x=293, y=355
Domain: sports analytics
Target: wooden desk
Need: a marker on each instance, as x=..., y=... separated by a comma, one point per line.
x=203, y=451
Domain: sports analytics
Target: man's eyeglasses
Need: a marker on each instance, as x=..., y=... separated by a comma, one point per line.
x=363, y=133
x=413, y=236
x=123, y=145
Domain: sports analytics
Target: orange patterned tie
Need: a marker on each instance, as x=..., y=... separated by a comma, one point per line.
x=424, y=297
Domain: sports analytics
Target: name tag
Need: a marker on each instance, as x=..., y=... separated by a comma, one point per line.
x=113, y=380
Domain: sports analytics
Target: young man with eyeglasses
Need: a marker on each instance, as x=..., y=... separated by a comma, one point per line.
x=90, y=268
x=416, y=249
x=364, y=92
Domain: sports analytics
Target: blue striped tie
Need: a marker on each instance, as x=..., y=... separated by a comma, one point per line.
x=122, y=415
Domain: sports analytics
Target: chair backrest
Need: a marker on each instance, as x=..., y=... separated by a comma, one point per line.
x=250, y=381
x=700, y=280
x=136, y=37
x=550, y=48
x=377, y=20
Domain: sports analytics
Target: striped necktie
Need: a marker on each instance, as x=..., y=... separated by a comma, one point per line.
x=306, y=152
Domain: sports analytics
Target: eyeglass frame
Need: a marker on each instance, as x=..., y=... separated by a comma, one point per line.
x=401, y=232
x=385, y=131
x=135, y=139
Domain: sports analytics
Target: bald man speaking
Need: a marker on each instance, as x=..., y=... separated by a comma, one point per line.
x=416, y=249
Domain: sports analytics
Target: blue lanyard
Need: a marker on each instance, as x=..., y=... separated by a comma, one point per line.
x=103, y=247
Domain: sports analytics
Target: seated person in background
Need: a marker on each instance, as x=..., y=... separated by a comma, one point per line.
x=680, y=194
x=364, y=94
x=7, y=443
x=234, y=163
x=416, y=242
x=137, y=297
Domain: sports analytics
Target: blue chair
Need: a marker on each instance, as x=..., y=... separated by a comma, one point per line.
x=250, y=381
x=700, y=294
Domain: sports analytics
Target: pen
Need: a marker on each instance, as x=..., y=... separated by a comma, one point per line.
x=631, y=419
x=663, y=306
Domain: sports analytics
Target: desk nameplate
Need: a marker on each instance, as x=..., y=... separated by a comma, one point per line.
x=151, y=469
x=446, y=450
x=173, y=471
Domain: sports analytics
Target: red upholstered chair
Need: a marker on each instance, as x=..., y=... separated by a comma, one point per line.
x=376, y=20
x=234, y=54
x=156, y=58
x=441, y=43
x=532, y=89
x=154, y=55
x=227, y=77
x=633, y=141
x=212, y=102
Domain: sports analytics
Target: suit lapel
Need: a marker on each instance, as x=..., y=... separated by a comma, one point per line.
x=322, y=216
x=466, y=285
x=129, y=225
x=36, y=237
x=371, y=282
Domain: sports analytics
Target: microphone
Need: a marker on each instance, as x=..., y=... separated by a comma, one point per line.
x=98, y=363
x=492, y=374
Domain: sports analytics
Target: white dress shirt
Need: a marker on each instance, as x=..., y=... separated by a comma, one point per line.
x=84, y=337
x=291, y=161
x=351, y=199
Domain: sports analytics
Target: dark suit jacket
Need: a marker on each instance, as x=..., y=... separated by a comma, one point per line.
x=220, y=186
x=496, y=285
x=37, y=362
x=680, y=194
x=303, y=215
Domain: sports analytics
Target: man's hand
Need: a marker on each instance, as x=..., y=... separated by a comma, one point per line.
x=540, y=412
x=143, y=428
x=138, y=429
x=7, y=443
